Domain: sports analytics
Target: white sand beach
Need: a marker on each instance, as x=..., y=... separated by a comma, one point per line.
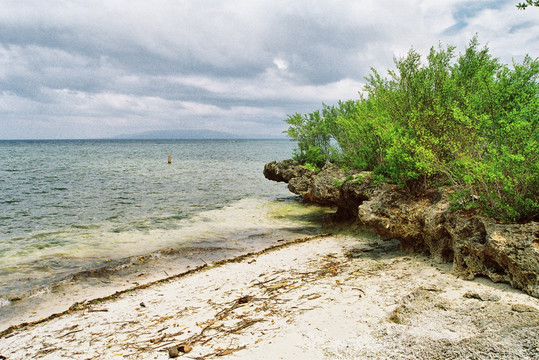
x=328, y=297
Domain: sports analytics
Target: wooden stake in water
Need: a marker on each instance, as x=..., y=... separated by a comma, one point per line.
x=169, y=159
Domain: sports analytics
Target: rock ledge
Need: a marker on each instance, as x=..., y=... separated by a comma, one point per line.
x=476, y=245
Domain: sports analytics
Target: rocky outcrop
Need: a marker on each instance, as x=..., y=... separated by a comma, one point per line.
x=326, y=187
x=476, y=245
x=284, y=171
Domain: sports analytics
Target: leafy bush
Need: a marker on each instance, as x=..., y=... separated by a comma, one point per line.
x=467, y=120
x=313, y=136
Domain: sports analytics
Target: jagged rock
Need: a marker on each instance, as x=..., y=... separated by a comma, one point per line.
x=318, y=188
x=477, y=246
x=351, y=194
x=325, y=187
x=503, y=252
x=284, y=171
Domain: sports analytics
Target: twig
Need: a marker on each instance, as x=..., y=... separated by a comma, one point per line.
x=244, y=324
x=222, y=352
x=261, y=283
x=69, y=333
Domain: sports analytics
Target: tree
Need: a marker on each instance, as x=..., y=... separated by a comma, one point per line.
x=524, y=5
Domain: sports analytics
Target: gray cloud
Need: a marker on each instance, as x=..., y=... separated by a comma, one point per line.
x=89, y=69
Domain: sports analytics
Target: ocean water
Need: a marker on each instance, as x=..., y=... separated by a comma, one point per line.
x=72, y=212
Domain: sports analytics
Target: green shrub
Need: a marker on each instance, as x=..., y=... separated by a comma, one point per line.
x=313, y=137
x=466, y=120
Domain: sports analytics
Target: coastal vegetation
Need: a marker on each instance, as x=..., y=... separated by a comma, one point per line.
x=463, y=120
x=524, y=5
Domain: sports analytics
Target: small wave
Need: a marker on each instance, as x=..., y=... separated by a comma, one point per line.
x=85, y=227
x=12, y=201
x=46, y=235
x=174, y=217
x=62, y=206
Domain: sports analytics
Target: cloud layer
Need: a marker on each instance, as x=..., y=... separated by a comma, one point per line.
x=88, y=69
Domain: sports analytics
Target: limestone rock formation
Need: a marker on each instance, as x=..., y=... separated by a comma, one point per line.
x=476, y=245
x=284, y=170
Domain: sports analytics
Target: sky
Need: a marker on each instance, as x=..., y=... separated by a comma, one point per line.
x=97, y=69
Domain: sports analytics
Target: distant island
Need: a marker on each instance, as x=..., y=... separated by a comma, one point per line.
x=187, y=135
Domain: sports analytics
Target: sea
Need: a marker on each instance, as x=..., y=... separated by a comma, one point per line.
x=81, y=219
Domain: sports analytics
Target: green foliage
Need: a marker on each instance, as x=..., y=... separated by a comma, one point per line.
x=468, y=121
x=311, y=167
x=313, y=136
x=378, y=179
x=524, y=5
x=338, y=183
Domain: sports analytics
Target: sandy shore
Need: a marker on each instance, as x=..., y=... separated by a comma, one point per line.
x=336, y=297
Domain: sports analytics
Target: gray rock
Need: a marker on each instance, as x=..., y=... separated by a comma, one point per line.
x=476, y=245
x=284, y=171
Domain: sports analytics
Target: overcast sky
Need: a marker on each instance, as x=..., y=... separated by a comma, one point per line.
x=92, y=69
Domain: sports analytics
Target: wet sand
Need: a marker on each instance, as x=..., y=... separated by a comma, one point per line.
x=328, y=297
x=246, y=226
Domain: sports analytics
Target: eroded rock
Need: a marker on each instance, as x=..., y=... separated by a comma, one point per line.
x=476, y=245
x=284, y=171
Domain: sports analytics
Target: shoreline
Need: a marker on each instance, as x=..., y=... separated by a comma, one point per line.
x=327, y=296
x=278, y=220
x=77, y=306
x=131, y=273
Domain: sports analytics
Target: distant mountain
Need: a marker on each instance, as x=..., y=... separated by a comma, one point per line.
x=179, y=134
